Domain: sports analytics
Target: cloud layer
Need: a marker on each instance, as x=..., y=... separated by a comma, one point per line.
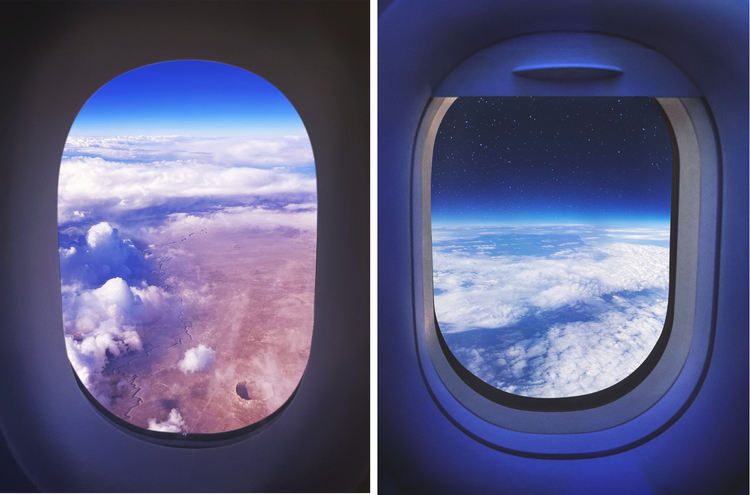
x=117, y=175
x=574, y=358
x=573, y=321
x=495, y=291
x=259, y=151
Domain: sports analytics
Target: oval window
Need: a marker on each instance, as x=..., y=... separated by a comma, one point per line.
x=551, y=240
x=187, y=211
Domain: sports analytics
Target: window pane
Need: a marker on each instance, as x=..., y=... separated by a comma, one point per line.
x=551, y=239
x=187, y=232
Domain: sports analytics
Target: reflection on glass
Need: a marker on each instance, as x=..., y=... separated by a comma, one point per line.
x=187, y=224
x=551, y=239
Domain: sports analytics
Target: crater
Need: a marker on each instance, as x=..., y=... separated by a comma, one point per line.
x=242, y=391
x=254, y=390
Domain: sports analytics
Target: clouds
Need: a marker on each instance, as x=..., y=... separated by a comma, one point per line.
x=102, y=311
x=173, y=424
x=259, y=151
x=575, y=358
x=639, y=234
x=571, y=320
x=121, y=186
x=197, y=359
x=483, y=291
x=118, y=175
x=102, y=323
x=100, y=255
x=240, y=218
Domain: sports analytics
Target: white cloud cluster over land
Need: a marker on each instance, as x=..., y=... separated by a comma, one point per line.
x=173, y=424
x=571, y=322
x=197, y=359
x=102, y=322
x=100, y=319
x=88, y=181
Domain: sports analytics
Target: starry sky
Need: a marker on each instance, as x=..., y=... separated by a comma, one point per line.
x=188, y=98
x=516, y=160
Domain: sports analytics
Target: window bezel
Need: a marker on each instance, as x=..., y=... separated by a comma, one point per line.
x=500, y=424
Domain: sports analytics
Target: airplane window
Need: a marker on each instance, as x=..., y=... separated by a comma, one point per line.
x=551, y=239
x=187, y=211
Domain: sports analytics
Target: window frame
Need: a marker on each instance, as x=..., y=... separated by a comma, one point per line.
x=504, y=424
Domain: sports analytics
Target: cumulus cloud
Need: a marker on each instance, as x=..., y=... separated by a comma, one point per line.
x=301, y=206
x=102, y=323
x=197, y=359
x=101, y=311
x=173, y=424
x=100, y=255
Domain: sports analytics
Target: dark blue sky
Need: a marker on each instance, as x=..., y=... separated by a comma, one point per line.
x=552, y=160
x=190, y=98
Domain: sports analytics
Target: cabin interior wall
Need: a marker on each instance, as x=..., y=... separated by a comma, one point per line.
x=420, y=450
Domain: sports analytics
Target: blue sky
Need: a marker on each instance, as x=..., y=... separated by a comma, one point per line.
x=188, y=98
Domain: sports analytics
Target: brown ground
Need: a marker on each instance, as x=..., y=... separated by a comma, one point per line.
x=248, y=296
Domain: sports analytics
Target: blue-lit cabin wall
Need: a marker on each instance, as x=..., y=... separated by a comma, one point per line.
x=706, y=449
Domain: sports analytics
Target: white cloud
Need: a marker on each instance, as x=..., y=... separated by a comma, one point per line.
x=642, y=233
x=102, y=321
x=103, y=255
x=301, y=206
x=574, y=358
x=481, y=291
x=567, y=323
x=197, y=359
x=255, y=151
x=239, y=218
x=119, y=174
x=173, y=424
x=87, y=181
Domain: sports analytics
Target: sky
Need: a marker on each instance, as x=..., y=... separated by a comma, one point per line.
x=188, y=98
x=515, y=160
